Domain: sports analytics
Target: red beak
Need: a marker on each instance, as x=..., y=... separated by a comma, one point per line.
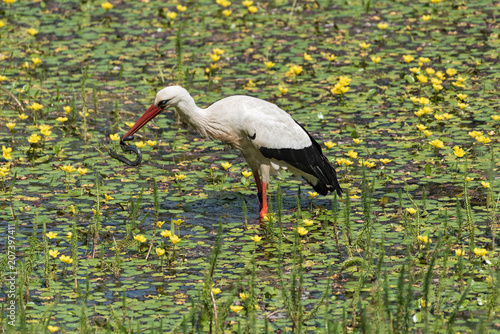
x=148, y=115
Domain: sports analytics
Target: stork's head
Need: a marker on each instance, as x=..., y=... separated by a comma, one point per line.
x=165, y=98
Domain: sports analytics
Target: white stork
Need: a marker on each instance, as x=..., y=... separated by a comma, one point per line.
x=268, y=137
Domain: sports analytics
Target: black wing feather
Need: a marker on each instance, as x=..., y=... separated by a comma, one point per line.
x=310, y=160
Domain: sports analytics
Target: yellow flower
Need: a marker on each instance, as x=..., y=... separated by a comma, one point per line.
x=458, y=151
x=439, y=117
x=447, y=116
x=475, y=134
x=480, y=252
x=140, y=238
x=106, y=5
x=246, y=174
x=72, y=209
x=382, y=26
x=247, y=3
x=223, y=3
x=23, y=116
x=462, y=105
x=32, y=31
x=495, y=117
x=283, y=90
x=343, y=161
x=226, y=165
x=425, y=239
x=364, y=46
x=35, y=106
x=375, y=59
x=36, y=61
x=411, y=211
x=67, y=109
x=252, y=9
x=51, y=235
x=422, y=78
x=151, y=143
x=218, y=51
x=329, y=144
x=66, y=259
x=107, y=197
x=483, y=139
x=269, y=64
x=426, y=18
x=53, y=253
x=175, y=239
x=181, y=8
x=307, y=57
x=82, y=171
x=256, y=238
x=44, y=127
x=430, y=71
x=160, y=223
x=236, y=308
x=34, y=138
x=227, y=12
x=69, y=235
x=215, y=57
x=308, y=222
x=408, y=58
x=46, y=132
x=295, y=70
x=140, y=144
x=415, y=70
x=331, y=57
x=166, y=234
x=468, y=179
x=178, y=221
x=419, y=112
x=421, y=127
x=451, y=72
x=437, y=87
x=312, y=194
x=302, y=231
x=216, y=291
x=180, y=177
x=437, y=143
x=243, y=296
x=461, y=96
x=459, y=252
x=62, y=119
x=435, y=1
x=2, y=24
x=160, y=251
x=423, y=60
x=51, y=329
x=6, y=152
x=485, y=184
x=67, y=168
x=427, y=133
x=385, y=161
x=2, y=77
x=171, y=15
x=440, y=75
x=114, y=137
x=352, y=154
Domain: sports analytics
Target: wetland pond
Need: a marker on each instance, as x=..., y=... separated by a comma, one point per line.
x=401, y=95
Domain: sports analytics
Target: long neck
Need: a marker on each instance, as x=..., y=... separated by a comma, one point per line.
x=208, y=121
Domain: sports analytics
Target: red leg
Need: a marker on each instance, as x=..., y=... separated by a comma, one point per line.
x=261, y=193
x=263, y=204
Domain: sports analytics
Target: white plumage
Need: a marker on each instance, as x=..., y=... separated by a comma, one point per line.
x=268, y=137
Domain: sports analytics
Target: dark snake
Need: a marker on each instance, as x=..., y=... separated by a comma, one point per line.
x=127, y=148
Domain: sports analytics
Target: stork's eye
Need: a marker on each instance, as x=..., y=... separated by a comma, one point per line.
x=162, y=104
